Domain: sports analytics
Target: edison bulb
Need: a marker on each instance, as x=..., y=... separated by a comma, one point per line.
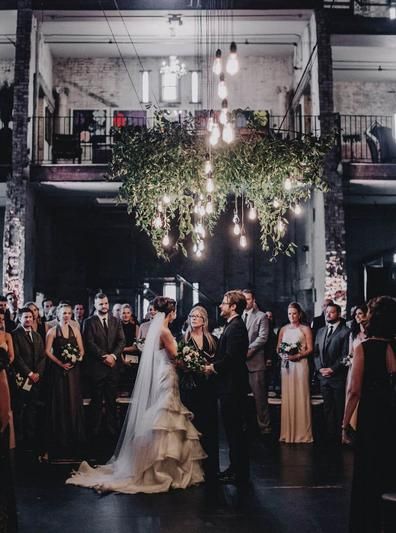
x=195, y=248
x=252, y=213
x=210, y=123
x=198, y=253
x=217, y=66
x=222, y=88
x=232, y=66
x=208, y=166
x=228, y=133
x=201, y=246
x=237, y=229
x=298, y=209
x=243, y=241
x=209, y=207
x=210, y=185
x=287, y=184
x=157, y=222
x=281, y=226
x=166, y=240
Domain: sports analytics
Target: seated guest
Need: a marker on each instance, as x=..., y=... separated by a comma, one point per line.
x=200, y=395
x=38, y=325
x=65, y=426
x=130, y=354
x=373, y=387
x=30, y=365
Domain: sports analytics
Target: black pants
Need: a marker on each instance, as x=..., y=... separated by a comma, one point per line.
x=233, y=412
x=8, y=517
x=104, y=388
x=29, y=418
x=333, y=406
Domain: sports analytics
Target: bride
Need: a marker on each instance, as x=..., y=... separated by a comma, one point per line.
x=159, y=447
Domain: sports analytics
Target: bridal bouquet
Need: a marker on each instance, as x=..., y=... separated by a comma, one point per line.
x=191, y=362
x=70, y=354
x=286, y=349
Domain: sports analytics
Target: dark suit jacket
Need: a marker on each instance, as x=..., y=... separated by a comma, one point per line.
x=230, y=359
x=258, y=330
x=29, y=356
x=97, y=344
x=330, y=352
x=317, y=323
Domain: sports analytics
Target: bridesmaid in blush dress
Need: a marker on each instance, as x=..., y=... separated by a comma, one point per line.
x=296, y=423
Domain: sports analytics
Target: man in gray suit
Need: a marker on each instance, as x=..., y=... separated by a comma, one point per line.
x=258, y=330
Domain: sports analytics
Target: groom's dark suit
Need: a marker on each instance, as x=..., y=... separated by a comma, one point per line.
x=104, y=379
x=29, y=357
x=230, y=364
x=329, y=351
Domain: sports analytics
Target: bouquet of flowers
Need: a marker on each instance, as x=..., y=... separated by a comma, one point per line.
x=347, y=361
x=191, y=362
x=70, y=354
x=140, y=344
x=286, y=349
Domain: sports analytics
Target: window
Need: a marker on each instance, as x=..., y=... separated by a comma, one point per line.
x=145, y=87
x=170, y=289
x=194, y=87
x=195, y=294
x=169, y=87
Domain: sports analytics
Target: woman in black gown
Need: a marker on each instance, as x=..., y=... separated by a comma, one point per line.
x=130, y=353
x=198, y=392
x=372, y=384
x=65, y=424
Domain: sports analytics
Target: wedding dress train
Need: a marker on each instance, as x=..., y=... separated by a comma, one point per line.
x=159, y=447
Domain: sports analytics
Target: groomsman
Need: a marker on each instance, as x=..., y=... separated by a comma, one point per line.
x=230, y=365
x=258, y=330
x=104, y=341
x=30, y=364
x=331, y=347
x=12, y=306
x=10, y=325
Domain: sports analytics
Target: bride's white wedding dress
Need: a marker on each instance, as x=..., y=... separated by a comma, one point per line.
x=159, y=447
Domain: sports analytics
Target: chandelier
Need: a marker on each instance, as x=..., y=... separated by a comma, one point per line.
x=173, y=67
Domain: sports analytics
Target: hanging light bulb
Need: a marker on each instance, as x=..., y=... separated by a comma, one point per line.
x=252, y=212
x=215, y=135
x=281, y=226
x=202, y=210
x=228, y=133
x=157, y=222
x=198, y=253
x=287, y=184
x=243, y=239
x=166, y=240
x=232, y=66
x=210, y=122
x=237, y=229
x=201, y=246
x=298, y=209
x=209, y=184
x=209, y=206
x=222, y=88
x=166, y=199
x=224, y=112
x=276, y=203
x=217, y=66
x=208, y=165
x=195, y=248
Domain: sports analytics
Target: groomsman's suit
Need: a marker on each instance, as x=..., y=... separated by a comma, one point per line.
x=258, y=330
x=329, y=350
x=230, y=364
x=29, y=358
x=99, y=342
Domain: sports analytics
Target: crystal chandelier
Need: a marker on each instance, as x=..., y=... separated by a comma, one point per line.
x=173, y=67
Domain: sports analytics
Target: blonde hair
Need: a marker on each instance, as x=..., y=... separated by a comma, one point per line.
x=60, y=307
x=205, y=327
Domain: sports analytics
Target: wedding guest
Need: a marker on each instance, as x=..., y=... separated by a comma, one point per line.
x=320, y=320
x=273, y=360
x=48, y=309
x=233, y=385
x=38, y=325
x=143, y=329
x=104, y=341
x=130, y=354
x=200, y=396
x=79, y=314
x=258, y=330
x=65, y=425
x=294, y=348
x=12, y=305
x=52, y=322
x=7, y=347
x=373, y=387
x=357, y=335
x=331, y=349
x=10, y=325
x=8, y=517
x=116, y=311
x=30, y=364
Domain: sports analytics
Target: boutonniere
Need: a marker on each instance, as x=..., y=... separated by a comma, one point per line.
x=218, y=332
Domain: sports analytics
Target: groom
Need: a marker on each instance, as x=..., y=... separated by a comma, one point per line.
x=230, y=365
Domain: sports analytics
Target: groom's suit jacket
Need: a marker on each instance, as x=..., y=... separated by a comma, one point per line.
x=230, y=359
x=258, y=330
x=29, y=355
x=330, y=351
x=97, y=344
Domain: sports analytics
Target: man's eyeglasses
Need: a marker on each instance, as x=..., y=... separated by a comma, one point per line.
x=195, y=316
x=225, y=303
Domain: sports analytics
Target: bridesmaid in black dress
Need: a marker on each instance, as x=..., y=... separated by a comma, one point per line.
x=65, y=424
x=372, y=384
x=199, y=394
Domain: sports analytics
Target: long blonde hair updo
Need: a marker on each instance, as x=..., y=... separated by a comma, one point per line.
x=205, y=328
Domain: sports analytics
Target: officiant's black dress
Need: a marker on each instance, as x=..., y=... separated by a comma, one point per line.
x=375, y=466
x=199, y=395
x=65, y=422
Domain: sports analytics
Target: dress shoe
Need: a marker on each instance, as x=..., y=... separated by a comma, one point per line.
x=225, y=474
x=228, y=479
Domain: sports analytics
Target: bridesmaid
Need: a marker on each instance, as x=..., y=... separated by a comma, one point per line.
x=65, y=427
x=201, y=399
x=7, y=345
x=296, y=424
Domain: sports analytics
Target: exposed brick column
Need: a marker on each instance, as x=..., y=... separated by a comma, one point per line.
x=17, y=212
x=335, y=280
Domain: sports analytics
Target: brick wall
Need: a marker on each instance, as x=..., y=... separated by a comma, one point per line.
x=365, y=97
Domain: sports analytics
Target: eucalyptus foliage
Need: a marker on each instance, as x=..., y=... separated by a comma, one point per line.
x=168, y=160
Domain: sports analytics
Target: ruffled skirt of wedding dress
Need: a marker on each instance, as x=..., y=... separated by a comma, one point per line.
x=167, y=456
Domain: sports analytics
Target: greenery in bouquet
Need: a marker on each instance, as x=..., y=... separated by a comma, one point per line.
x=286, y=349
x=70, y=354
x=191, y=362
